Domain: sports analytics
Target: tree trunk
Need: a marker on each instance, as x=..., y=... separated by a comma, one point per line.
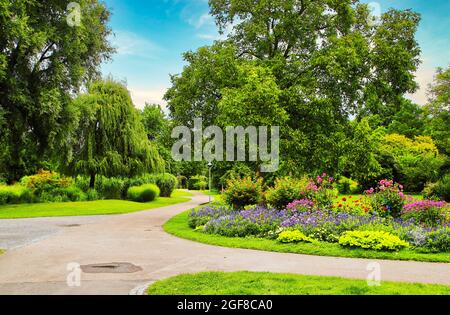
x=92, y=181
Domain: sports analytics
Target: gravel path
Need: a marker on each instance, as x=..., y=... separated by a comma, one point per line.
x=40, y=267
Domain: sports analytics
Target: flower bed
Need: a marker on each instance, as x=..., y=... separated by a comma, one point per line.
x=385, y=220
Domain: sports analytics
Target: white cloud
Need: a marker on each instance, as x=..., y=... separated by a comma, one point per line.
x=424, y=76
x=131, y=44
x=141, y=96
x=203, y=20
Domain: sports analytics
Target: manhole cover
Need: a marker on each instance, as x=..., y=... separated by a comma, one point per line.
x=70, y=225
x=111, y=268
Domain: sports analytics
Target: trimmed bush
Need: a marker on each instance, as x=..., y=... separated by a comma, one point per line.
x=198, y=182
x=182, y=181
x=376, y=240
x=166, y=184
x=144, y=193
x=293, y=237
x=243, y=192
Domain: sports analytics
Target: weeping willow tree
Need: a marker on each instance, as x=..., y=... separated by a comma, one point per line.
x=110, y=139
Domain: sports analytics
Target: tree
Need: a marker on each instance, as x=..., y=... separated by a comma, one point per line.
x=328, y=62
x=43, y=62
x=408, y=121
x=110, y=139
x=437, y=111
x=359, y=160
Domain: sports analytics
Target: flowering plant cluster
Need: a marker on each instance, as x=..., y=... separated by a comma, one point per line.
x=315, y=224
x=387, y=199
x=428, y=212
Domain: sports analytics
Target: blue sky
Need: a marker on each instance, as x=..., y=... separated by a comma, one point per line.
x=151, y=36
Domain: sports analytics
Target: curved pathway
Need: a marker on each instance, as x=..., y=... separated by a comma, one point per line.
x=40, y=267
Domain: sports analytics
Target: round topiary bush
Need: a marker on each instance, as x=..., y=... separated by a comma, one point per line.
x=166, y=183
x=144, y=193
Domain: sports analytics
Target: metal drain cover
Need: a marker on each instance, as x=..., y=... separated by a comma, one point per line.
x=111, y=268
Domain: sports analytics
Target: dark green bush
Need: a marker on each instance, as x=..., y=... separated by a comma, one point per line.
x=439, y=190
x=198, y=182
x=144, y=193
x=182, y=181
x=166, y=184
x=111, y=188
x=66, y=194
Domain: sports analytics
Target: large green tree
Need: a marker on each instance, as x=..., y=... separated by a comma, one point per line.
x=329, y=60
x=110, y=139
x=44, y=61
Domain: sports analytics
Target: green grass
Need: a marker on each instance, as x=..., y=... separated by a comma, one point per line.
x=178, y=226
x=2, y=251
x=99, y=207
x=263, y=283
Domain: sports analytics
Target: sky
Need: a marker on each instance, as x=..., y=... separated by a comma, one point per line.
x=151, y=36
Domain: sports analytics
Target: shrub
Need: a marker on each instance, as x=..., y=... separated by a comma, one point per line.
x=294, y=236
x=92, y=195
x=197, y=182
x=182, y=181
x=111, y=187
x=387, y=199
x=376, y=240
x=166, y=183
x=64, y=194
x=287, y=190
x=428, y=212
x=438, y=241
x=243, y=192
x=144, y=193
x=16, y=194
x=46, y=182
x=347, y=186
x=440, y=189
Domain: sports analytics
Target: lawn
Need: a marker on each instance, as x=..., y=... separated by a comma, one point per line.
x=178, y=226
x=262, y=283
x=99, y=207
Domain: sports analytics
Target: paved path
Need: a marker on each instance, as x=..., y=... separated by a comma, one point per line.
x=138, y=238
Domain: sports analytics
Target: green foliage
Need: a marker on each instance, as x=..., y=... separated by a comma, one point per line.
x=347, y=186
x=197, y=182
x=111, y=139
x=111, y=187
x=294, y=236
x=45, y=181
x=144, y=193
x=376, y=240
x=437, y=112
x=285, y=191
x=64, y=194
x=438, y=241
x=413, y=162
x=244, y=192
x=15, y=194
x=166, y=183
x=43, y=61
x=440, y=189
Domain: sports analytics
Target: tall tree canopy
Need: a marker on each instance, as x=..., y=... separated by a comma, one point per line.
x=329, y=60
x=110, y=139
x=43, y=62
